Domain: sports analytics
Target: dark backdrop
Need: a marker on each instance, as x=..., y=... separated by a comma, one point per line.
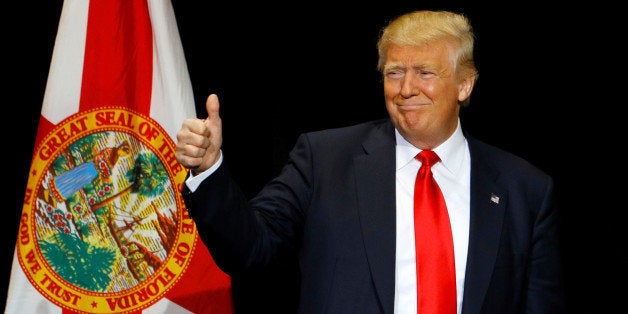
x=544, y=93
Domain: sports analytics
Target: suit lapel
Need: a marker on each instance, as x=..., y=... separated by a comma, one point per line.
x=487, y=215
x=375, y=184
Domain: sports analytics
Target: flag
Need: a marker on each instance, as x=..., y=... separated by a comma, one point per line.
x=103, y=227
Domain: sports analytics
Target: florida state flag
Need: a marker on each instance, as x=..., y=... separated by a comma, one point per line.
x=103, y=227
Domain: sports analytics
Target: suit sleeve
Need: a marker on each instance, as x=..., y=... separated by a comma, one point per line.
x=245, y=234
x=545, y=280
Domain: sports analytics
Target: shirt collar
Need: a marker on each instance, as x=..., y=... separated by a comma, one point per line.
x=451, y=151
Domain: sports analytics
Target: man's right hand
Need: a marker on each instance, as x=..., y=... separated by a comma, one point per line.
x=199, y=140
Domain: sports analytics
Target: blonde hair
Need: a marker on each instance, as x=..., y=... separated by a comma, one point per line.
x=420, y=27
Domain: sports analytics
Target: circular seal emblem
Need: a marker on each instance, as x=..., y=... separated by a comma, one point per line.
x=103, y=227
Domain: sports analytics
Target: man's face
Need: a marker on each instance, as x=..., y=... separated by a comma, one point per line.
x=422, y=92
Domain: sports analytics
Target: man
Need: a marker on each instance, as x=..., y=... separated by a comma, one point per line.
x=344, y=201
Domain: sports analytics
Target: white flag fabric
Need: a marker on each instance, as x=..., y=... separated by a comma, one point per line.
x=104, y=228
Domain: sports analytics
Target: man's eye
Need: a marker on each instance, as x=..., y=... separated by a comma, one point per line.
x=394, y=74
x=423, y=73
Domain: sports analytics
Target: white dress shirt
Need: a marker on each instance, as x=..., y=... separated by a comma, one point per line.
x=453, y=176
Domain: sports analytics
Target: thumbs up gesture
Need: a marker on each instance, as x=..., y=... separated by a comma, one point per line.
x=199, y=140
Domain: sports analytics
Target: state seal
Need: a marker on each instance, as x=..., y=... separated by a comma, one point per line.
x=104, y=228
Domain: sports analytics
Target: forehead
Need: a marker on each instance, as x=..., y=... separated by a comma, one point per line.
x=409, y=55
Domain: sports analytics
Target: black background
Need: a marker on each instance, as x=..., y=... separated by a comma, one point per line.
x=545, y=92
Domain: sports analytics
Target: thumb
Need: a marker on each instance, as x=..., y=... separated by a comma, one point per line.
x=212, y=105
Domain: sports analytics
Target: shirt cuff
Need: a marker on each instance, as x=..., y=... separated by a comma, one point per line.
x=194, y=181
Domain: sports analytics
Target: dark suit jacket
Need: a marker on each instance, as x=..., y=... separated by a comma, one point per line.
x=334, y=205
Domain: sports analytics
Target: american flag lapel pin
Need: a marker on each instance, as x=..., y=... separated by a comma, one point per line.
x=494, y=199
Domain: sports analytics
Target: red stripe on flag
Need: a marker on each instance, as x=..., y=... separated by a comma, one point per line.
x=43, y=129
x=204, y=288
x=118, y=59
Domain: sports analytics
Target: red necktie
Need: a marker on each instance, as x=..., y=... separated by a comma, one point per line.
x=435, y=268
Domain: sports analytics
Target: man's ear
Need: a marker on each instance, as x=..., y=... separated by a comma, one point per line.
x=465, y=88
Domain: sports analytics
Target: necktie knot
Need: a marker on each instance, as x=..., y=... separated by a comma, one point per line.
x=427, y=157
